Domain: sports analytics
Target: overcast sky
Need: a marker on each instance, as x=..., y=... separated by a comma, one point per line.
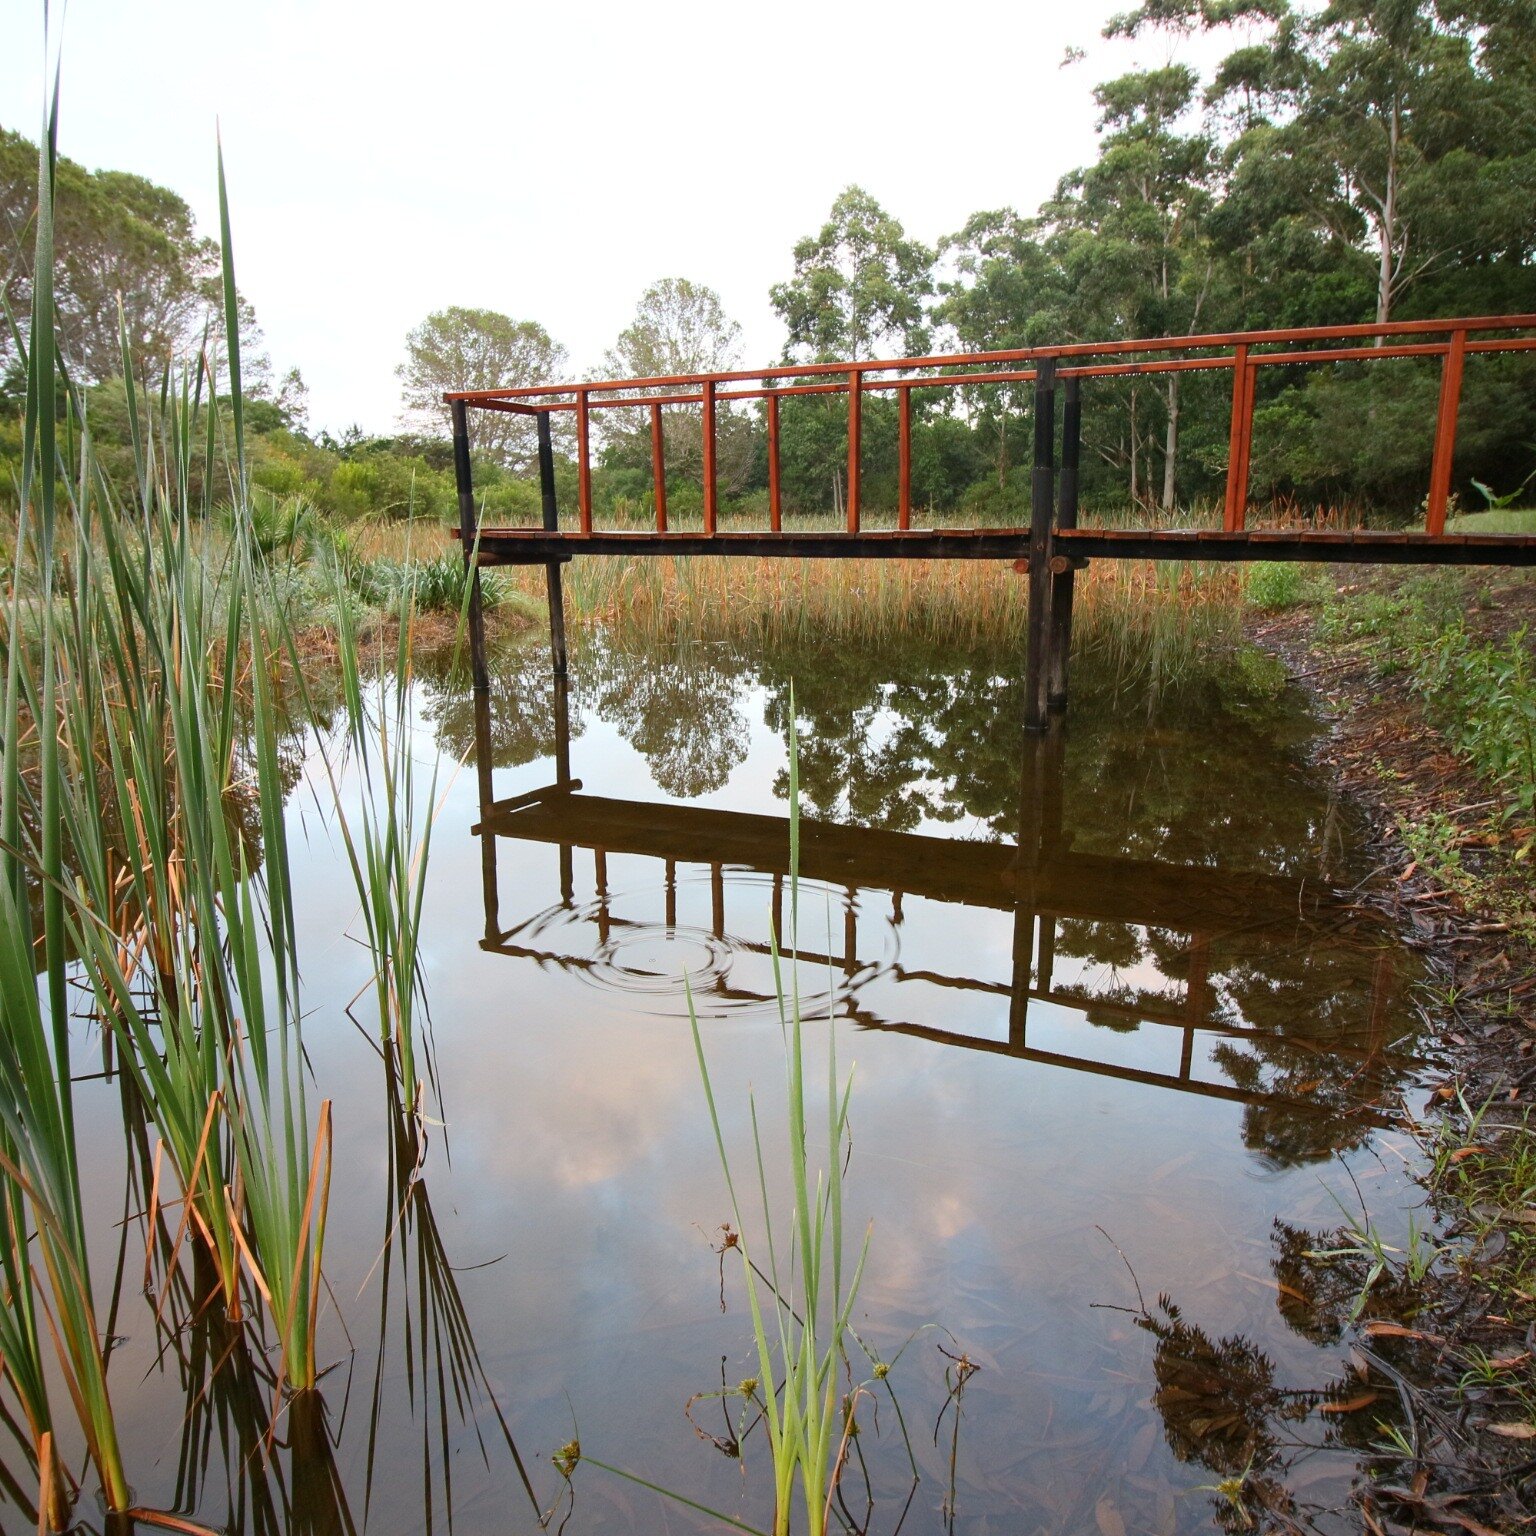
x=551, y=160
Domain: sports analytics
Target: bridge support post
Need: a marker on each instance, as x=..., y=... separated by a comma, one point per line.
x=552, y=584
x=488, y=882
x=1066, y=517
x=1041, y=510
x=468, y=536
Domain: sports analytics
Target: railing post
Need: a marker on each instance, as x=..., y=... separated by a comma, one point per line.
x=904, y=462
x=463, y=476
x=489, y=894
x=1445, y=433
x=1042, y=509
x=659, y=468
x=1066, y=517
x=855, y=446
x=552, y=583
x=775, y=493
x=1239, y=440
x=583, y=461
x=711, y=489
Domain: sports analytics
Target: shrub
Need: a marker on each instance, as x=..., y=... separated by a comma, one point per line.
x=1274, y=584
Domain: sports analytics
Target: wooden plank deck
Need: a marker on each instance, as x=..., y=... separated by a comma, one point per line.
x=539, y=546
x=1184, y=898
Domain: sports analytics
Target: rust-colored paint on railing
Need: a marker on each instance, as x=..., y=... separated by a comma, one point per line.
x=1445, y=433
x=855, y=446
x=711, y=487
x=775, y=498
x=659, y=468
x=904, y=463
x=1451, y=340
x=583, y=462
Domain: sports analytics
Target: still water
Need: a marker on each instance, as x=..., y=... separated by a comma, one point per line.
x=1122, y=1047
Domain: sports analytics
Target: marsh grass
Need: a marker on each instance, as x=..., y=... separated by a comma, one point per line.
x=141, y=821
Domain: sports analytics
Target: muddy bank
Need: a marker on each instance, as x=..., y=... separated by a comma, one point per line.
x=1457, y=1345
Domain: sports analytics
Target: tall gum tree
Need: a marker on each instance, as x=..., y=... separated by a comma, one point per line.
x=680, y=327
x=1130, y=230
x=462, y=349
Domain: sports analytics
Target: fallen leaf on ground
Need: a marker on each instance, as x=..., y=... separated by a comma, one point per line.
x=1397, y=1331
x=1108, y=1517
x=1513, y=1431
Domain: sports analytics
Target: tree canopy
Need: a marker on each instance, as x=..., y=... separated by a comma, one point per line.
x=458, y=348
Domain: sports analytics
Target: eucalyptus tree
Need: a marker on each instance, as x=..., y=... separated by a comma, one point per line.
x=860, y=290
x=680, y=327
x=460, y=348
x=1131, y=234
x=1005, y=292
x=124, y=244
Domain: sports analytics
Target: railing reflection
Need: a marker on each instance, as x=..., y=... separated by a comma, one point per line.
x=1233, y=951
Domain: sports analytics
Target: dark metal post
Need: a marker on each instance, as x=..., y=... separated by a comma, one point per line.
x=468, y=528
x=552, y=525
x=1042, y=508
x=1066, y=517
x=488, y=884
x=562, y=732
x=1023, y=951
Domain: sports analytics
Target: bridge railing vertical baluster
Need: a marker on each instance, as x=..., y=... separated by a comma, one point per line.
x=1445, y=433
x=904, y=461
x=659, y=468
x=775, y=492
x=711, y=487
x=584, y=459
x=1237, y=440
x=855, y=446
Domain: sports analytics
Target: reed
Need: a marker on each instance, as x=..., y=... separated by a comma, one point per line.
x=387, y=829
x=38, y=1152
x=141, y=814
x=801, y=1299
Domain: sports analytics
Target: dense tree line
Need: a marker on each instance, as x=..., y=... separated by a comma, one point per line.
x=1363, y=160
x=1356, y=160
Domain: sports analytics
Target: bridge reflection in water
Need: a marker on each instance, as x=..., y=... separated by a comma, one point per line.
x=1217, y=939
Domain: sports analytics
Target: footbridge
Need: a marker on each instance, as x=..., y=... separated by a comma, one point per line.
x=1053, y=546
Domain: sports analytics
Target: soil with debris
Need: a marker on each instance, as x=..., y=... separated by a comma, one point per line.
x=1463, y=1362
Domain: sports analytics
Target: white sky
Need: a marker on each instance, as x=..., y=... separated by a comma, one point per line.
x=388, y=159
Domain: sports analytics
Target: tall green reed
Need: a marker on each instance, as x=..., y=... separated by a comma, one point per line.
x=387, y=829
x=141, y=805
x=38, y=1149
x=802, y=1301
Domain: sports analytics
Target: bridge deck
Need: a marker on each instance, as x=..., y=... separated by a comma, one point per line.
x=537, y=546
x=1184, y=898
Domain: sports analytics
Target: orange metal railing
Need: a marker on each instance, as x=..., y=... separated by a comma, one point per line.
x=1243, y=353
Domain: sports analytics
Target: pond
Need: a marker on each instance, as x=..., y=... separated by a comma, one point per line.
x=1124, y=1048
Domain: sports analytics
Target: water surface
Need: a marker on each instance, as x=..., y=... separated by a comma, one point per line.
x=1121, y=1042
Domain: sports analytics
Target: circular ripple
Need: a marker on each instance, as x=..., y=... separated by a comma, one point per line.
x=658, y=961
x=654, y=967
